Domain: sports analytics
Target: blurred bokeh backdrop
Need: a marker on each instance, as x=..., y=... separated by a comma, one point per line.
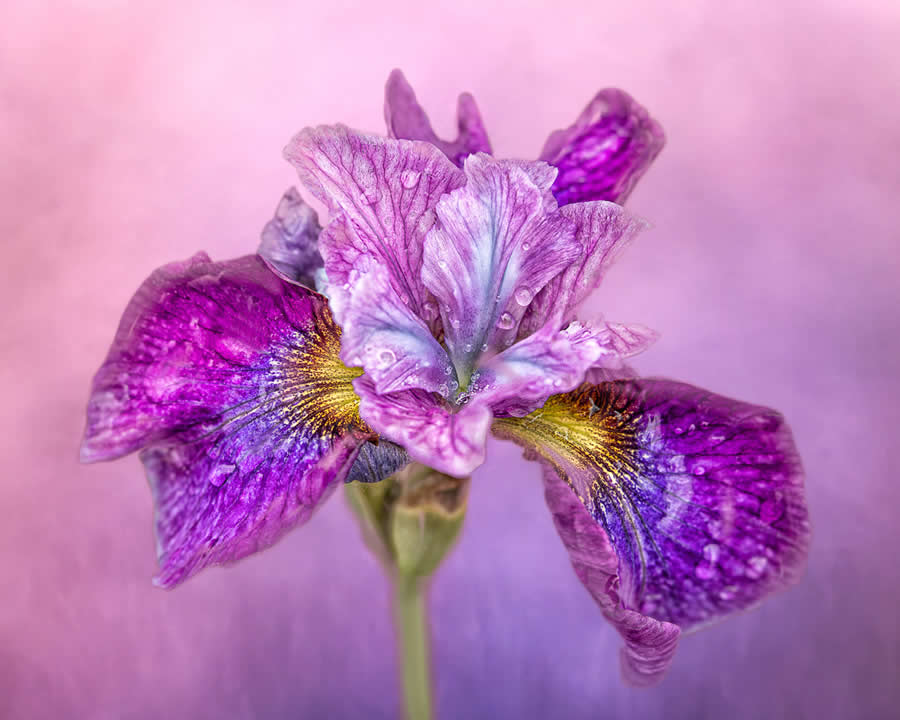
x=135, y=133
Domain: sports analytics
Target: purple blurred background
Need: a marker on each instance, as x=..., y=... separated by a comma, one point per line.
x=133, y=134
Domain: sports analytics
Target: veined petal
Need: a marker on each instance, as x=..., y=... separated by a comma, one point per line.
x=450, y=442
x=495, y=247
x=230, y=378
x=605, y=152
x=649, y=644
x=603, y=230
x=289, y=242
x=392, y=343
x=700, y=495
x=406, y=120
x=383, y=194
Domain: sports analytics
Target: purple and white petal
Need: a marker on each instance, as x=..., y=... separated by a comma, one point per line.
x=603, y=230
x=700, y=495
x=605, y=152
x=231, y=378
x=495, y=246
x=450, y=440
x=394, y=345
x=289, y=242
x=383, y=194
x=406, y=120
x=649, y=643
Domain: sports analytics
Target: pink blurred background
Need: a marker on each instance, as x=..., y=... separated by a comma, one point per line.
x=133, y=134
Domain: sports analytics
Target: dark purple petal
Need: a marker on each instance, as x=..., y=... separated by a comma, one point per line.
x=602, y=155
x=230, y=377
x=450, y=440
x=649, y=644
x=382, y=194
x=495, y=246
x=701, y=495
x=289, y=242
x=603, y=230
x=406, y=120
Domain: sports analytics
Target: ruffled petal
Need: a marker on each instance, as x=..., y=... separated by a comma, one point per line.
x=289, y=242
x=649, y=644
x=392, y=343
x=406, y=120
x=603, y=230
x=700, y=495
x=382, y=194
x=605, y=152
x=495, y=246
x=451, y=442
x=231, y=378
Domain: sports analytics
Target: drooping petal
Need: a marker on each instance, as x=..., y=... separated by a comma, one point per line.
x=430, y=431
x=382, y=194
x=603, y=230
x=406, y=120
x=230, y=377
x=289, y=242
x=393, y=344
x=605, y=152
x=649, y=644
x=496, y=245
x=701, y=496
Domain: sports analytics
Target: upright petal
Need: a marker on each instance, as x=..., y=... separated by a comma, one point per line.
x=406, y=120
x=393, y=344
x=383, y=194
x=701, y=496
x=450, y=440
x=649, y=644
x=605, y=152
x=289, y=242
x=230, y=378
x=603, y=230
x=496, y=245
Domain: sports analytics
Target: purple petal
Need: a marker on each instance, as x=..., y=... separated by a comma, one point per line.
x=382, y=194
x=603, y=230
x=406, y=120
x=451, y=442
x=602, y=155
x=495, y=247
x=289, y=241
x=701, y=495
x=392, y=343
x=231, y=377
x=649, y=644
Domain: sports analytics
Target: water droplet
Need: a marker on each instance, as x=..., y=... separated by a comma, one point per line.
x=448, y=370
x=526, y=246
x=772, y=509
x=506, y=321
x=454, y=322
x=386, y=357
x=220, y=474
x=444, y=389
x=484, y=347
x=699, y=470
x=410, y=178
x=679, y=429
x=467, y=347
x=524, y=296
x=756, y=566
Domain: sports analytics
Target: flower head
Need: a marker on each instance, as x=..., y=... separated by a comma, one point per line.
x=447, y=285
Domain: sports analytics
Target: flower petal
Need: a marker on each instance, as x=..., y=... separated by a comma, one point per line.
x=406, y=120
x=649, y=644
x=495, y=247
x=701, y=495
x=603, y=230
x=382, y=193
x=450, y=442
x=392, y=343
x=231, y=378
x=289, y=242
x=605, y=152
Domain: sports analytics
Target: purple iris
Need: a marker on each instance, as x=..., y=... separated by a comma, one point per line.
x=447, y=284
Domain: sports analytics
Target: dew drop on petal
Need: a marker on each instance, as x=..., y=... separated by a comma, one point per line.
x=524, y=296
x=772, y=509
x=506, y=321
x=386, y=357
x=410, y=178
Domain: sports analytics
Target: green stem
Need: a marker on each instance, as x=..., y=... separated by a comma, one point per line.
x=412, y=627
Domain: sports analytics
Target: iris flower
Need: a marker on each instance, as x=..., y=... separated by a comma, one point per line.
x=437, y=306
